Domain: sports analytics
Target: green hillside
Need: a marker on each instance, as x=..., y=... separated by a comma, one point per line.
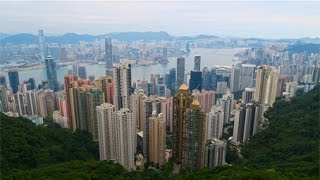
x=291, y=142
x=25, y=145
x=287, y=149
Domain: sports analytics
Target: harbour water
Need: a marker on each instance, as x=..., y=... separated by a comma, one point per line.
x=209, y=58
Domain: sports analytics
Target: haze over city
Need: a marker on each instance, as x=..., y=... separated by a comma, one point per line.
x=225, y=19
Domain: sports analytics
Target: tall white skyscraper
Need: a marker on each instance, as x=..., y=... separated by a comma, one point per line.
x=125, y=138
x=117, y=135
x=41, y=45
x=266, y=85
x=122, y=85
x=247, y=95
x=106, y=131
x=247, y=71
x=108, y=52
x=226, y=104
x=246, y=122
x=215, y=153
x=214, y=121
x=31, y=97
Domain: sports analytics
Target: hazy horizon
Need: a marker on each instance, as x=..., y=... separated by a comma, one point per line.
x=268, y=20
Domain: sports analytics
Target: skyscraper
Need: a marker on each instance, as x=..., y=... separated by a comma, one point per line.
x=266, y=85
x=3, y=80
x=214, y=121
x=195, y=81
x=14, y=80
x=226, y=104
x=180, y=71
x=197, y=62
x=125, y=138
x=68, y=83
x=247, y=71
x=31, y=98
x=3, y=99
x=235, y=79
x=215, y=154
x=173, y=80
x=52, y=74
x=117, y=135
x=82, y=72
x=157, y=140
x=108, y=52
x=42, y=47
x=106, y=84
x=193, y=137
x=246, y=122
x=106, y=132
x=85, y=99
x=206, y=99
x=122, y=85
x=247, y=95
x=20, y=103
x=188, y=130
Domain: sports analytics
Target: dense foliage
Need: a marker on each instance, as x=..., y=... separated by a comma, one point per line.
x=25, y=145
x=105, y=170
x=291, y=142
x=287, y=149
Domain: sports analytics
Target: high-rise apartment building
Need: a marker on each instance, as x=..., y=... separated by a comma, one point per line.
x=206, y=99
x=188, y=130
x=157, y=139
x=214, y=123
x=215, y=154
x=106, y=84
x=226, y=104
x=19, y=100
x=197, y=62
x=248, y=95
x=291, y=88
x=266, y=85
x=266, y=88
x=69, y=83
x=4, y=106
x=52, y=73
x=193, y=137
x=31, y=99
x=117, y=135
x=247, y=72
x=122, y=85
x=180, y=71
x=14, y=80
x=106, y=132
x=85, y=99
x=246, y=122
x=125, y=138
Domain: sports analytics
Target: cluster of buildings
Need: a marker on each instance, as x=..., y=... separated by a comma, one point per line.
x=132, y=121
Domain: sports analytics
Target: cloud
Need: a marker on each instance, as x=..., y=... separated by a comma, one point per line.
x=237, y=18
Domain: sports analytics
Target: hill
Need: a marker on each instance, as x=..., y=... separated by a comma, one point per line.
x=25, y=146
x=72, y=38
x=291, y=142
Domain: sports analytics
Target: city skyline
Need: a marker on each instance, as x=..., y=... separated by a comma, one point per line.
x=225, y=19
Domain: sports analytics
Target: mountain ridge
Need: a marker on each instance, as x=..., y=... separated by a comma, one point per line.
x=73, y=38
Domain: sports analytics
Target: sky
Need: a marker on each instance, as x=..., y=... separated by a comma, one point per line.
x=226, y=19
